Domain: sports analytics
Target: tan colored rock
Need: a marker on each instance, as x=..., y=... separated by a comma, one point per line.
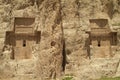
x=47, y=55
x=58, y=20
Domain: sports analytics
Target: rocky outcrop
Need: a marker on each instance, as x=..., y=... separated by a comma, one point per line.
x=62, y=48
x=47, y=55
x=76, y=15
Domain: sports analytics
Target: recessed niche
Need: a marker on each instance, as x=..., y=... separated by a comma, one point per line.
x=101, y=36
x=22, y=37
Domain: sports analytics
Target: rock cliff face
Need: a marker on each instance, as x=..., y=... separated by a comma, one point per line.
x=62, y=47
x=47, y=54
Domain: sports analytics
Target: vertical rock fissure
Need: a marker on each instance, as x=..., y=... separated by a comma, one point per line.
x=64, y=56
x=63, y=39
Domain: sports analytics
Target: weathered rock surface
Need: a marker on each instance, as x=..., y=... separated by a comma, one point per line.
x=47, y=55
x=58, y=20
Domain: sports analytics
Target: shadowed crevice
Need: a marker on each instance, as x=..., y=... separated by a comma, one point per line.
x=64, y=56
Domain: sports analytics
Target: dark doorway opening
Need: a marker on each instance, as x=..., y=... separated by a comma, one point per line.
x=99, y=44
x=24, y=43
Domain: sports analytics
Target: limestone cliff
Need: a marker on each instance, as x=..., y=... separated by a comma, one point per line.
x=46, y=60
x=62, y=47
